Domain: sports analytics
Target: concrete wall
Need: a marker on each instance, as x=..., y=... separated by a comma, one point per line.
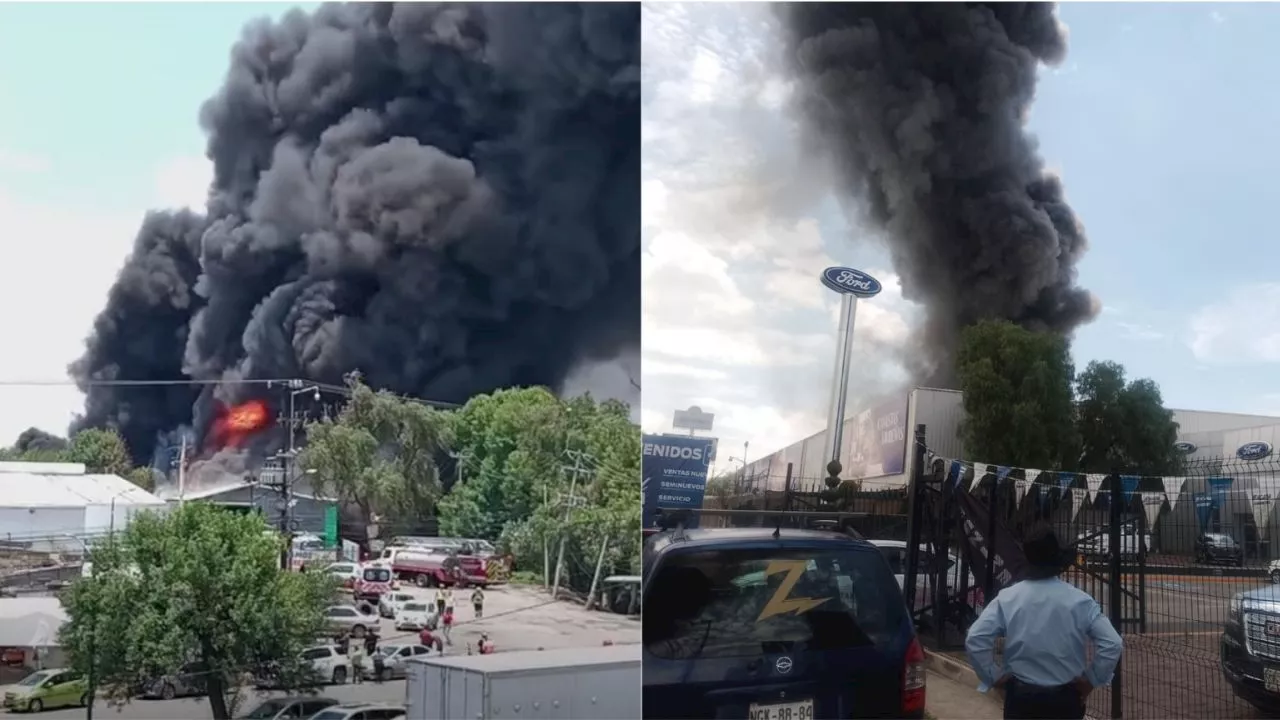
x=1199, y=421
x=42, y=526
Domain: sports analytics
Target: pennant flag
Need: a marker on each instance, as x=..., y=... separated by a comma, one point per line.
x=1031, y=475
x=1263, y=499
x=1128, y=484
x=1218, y=488
x=1079, y=498
x=1002, y=473
x=1204, y=509
x=979, y=472
x=1151, y=504
x=1094, y=481
x=955, y=472
x=1020, y=491
x=1173, y=490
x=1064, y=481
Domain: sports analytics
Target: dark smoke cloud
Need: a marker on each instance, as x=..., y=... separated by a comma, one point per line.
x=923, y=107
x=445, y=197
x=34, y=439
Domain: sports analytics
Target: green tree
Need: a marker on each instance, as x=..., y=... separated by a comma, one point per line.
x=519, y=447
x=1123, y=426
x=198, y=584
x=1017, y=396
x=102, y=451
x=379, y=455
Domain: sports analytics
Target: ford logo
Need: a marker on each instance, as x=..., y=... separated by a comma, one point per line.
x=848, y=281
x=1254, y=450
x=783, y=665
x=1184, y=447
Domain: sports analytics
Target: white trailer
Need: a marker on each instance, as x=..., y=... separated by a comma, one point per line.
x=593, y=683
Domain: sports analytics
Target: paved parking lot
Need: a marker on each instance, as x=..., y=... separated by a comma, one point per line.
x=516, y=618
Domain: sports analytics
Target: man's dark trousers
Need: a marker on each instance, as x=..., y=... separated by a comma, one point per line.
x=1035, y=702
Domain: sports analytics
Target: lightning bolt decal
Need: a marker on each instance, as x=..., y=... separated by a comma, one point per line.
x=780, y=603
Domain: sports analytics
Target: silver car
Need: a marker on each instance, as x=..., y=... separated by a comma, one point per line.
x=348, y=619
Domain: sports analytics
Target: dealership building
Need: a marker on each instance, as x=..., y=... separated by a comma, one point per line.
x=876, y=441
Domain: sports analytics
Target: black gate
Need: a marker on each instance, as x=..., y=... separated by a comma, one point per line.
x=941, y=586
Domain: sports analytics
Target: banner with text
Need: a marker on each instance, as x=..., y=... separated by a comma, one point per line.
x=674, y=470
x=879, y=441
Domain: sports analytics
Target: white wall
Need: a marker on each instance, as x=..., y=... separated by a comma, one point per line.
x=1197, y=421
x=42, y=526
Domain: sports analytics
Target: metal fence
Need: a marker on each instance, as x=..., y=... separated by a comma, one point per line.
x=1182, y=565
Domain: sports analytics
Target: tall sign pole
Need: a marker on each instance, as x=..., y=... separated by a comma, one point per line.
x=850, y=284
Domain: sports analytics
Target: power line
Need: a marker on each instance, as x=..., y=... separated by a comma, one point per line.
x=268, y=382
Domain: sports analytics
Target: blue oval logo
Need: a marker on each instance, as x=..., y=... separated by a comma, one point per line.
x=1184, y=447
x=1254, y=450
x=851, y=282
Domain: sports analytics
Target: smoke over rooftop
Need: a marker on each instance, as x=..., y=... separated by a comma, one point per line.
x=923, y=108
x=445, y=197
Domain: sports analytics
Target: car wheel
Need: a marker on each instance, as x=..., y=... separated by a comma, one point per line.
x=339, y=675
x=35, y=706
x=168, y=692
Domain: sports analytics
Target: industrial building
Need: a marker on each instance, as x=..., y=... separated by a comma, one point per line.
x=57, y=507
x=876, y=442
x=312, y=515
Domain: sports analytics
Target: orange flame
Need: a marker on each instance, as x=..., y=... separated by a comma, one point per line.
x=248, y=417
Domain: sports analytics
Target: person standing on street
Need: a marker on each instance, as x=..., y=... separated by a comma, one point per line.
x=440, y=602
x=446, y=595
x=356, y=653
x=477, y=602
x=1047, y=625
x=447, y=623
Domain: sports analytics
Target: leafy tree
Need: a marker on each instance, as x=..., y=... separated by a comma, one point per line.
x=101, y=451
x=518, y=448
x=1017, y=396
x=379, y=455
x=198, y=584
x=1123, y=426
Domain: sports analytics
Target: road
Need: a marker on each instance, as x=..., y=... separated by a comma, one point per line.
x=516, y=618
x=1176, y=605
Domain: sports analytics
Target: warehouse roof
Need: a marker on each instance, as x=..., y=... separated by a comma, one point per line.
x=58, y=485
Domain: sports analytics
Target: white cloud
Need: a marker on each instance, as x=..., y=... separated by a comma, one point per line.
x=1242, y=328
x=182, y=182
x=737, y=231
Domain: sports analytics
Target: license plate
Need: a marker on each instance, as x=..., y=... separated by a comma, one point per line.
x=802, y=710
x=1271, y=678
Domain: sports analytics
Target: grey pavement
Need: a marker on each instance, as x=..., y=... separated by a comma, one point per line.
x=515, y=617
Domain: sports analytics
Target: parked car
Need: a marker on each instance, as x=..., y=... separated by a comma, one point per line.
x=1249, y=647
x=360, y=711
x=46, y=690
x=775, y=623
x=395, y=658
x=389, y=605
x=1217, y=548
x=288, y=708
x=895, y=554
x=324, y=664
x=348, y=619
x=415, y=616
x=345, y=573
x=1097, y=544
x=188, y=681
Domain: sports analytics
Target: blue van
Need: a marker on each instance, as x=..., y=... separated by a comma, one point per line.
x=784, y=624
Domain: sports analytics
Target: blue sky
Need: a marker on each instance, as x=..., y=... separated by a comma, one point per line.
x=1160, y=122
x=100, y=124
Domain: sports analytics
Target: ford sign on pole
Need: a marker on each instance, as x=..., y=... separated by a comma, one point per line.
x=850, y=284
x=1184, y=447
x=674, y=473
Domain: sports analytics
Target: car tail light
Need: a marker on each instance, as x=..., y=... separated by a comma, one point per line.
x=913, y=679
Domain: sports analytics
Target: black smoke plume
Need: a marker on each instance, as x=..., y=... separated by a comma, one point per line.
x=923, y=107
x=445, y=197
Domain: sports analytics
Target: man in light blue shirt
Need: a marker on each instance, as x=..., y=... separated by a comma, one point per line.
x=1047, y=625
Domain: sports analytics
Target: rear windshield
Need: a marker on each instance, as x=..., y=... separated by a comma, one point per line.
x=415, y=607
x=732, y=603
x=377, y=575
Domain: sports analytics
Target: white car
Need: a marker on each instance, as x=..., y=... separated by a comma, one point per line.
x=389, y=605
x=395, y=659
x=352, y=620
x=328, y=663
x=416, y=616
x=360, y=711
x=895, y=553
x=344, y=572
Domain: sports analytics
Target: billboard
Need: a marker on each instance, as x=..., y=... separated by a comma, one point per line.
x=674, y=470
x=877, y=441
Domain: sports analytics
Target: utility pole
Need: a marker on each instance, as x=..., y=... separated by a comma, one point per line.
x=459, y=459
x=580, y=460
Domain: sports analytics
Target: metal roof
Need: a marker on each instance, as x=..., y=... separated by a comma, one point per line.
x=23, y=485
x=537, y=660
